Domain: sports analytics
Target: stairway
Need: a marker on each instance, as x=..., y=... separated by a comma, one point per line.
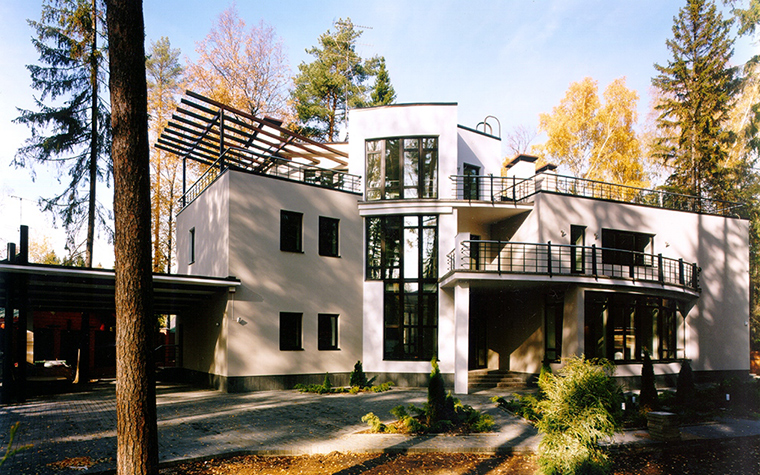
x=499, y=379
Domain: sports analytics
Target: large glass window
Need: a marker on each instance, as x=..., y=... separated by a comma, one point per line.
x=402, y=168
x=402, y=251
x=638, y=245
x=622, y=327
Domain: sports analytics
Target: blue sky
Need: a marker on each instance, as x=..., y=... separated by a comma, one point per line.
x=512, y=59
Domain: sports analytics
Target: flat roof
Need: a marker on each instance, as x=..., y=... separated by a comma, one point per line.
x=74, y=289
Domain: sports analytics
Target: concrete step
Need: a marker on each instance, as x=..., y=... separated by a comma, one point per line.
x=484, y=379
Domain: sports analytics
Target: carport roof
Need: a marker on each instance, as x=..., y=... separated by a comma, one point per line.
x=74, y=289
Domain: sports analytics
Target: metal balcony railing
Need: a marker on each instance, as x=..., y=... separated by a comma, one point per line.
x=504, y=257
x=493, y=188
x=282, y=169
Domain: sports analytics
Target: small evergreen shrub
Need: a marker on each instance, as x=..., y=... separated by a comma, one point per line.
x=327, y=388
x=582, y=405
x=443, y=413
x=358, y=379
x=522, y=406
x=685, y=387
x=648, y=396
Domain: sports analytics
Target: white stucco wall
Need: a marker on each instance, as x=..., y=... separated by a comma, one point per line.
x=478, y=149
x=717, y=335
x=274, y=281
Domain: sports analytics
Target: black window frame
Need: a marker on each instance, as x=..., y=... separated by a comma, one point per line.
x=578, y=251
x=554, y=312
x=291, y=331
x=387, y=180
x=329, y=236
x=621, y=327
x=291, y=231
x=471, y=182
x=328, y=331
x=635, y=248
x=192, y=246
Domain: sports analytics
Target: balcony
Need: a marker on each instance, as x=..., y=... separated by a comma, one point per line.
x=511, y=189
x=277, y=168
x=503, y=257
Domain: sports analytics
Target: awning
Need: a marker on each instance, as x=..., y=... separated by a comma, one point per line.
x=74, y=289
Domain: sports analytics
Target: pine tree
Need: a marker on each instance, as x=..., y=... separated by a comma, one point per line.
x=71, y=127
x=164, y=76
x=331, y=84
x=697, y=86
x=383, y=93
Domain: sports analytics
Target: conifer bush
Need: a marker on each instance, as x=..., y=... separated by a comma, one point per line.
x=648, y=395
x=582, y=406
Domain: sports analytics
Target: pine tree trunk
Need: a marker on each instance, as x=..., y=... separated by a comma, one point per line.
x=94, y=139
x=136, y=429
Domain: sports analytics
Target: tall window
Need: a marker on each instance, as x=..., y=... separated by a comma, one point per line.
x=290, y=331
x=578, y=252
x=328, y=236
x=191, y=250
x=622, y=327
x=291, y=231
x=553, y=318
x=471, y=183
x=327, y=331
x=402, y=168
x=637, y=247
x=403, y=252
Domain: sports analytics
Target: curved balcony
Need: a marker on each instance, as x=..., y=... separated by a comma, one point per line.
x=505, y=257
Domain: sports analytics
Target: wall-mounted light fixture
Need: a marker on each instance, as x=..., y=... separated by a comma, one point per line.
x=241, y=321
x=562, y=233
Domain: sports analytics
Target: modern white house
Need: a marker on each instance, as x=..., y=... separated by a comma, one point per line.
x=409, y=242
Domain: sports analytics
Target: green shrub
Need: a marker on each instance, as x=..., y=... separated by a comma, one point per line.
x=523, y=406
x=358, y=379
x=685, y=387
x=442, y=413
x=648, y=395
x=582, y=405
x=374, y=423
x=10, y=451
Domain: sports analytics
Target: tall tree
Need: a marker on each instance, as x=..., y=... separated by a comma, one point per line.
x=335, y=81
x=136, y=426
x=383, y=92
x=71, y=126
x=698, y=87
x=244, y=68
x=596, y=140
x=164, y=75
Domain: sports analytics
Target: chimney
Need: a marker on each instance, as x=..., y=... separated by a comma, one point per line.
x=522, y=166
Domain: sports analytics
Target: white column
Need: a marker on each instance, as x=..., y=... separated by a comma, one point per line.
x=461, y=336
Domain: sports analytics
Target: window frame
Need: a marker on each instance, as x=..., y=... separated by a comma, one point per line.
x=328, y=331
x=291, y=234
x=331, y=247
x=295, y=326
x=554, y=313
x=578, y=249
x=637, y=251
x=392, y=187
x=191, y=247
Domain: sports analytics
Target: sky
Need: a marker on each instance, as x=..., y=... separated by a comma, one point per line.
x=511, y=59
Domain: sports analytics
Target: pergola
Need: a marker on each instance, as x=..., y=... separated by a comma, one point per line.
x=221, y=137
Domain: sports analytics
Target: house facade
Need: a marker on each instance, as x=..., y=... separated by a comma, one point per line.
x=432, y=251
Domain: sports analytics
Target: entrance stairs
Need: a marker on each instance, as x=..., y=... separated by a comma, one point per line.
x=500, y=379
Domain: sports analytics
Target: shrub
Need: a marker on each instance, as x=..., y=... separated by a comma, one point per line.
x=648, y=395
x=442, y=413
x=523, y=406
x=10, y=451
x=582, y=405
x=358, y=379
x=685, y=388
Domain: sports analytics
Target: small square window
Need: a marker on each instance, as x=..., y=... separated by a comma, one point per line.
x=191, y=249
x=291, y=231
x=328, y=236
x=290, y=331
x=327, y=331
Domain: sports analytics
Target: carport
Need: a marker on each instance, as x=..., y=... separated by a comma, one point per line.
x=26, y=288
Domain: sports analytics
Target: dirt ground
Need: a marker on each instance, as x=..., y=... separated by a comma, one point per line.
x=734, y=457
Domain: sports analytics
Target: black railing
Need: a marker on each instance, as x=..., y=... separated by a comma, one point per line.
x=504, y=257
x=275, y=167
x=494, y=188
